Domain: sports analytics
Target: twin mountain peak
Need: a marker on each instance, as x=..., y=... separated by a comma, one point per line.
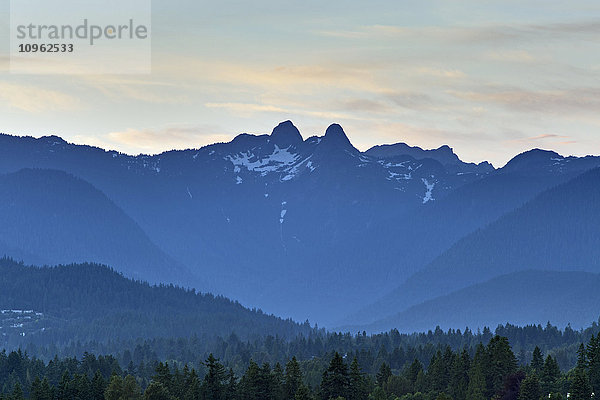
x=286, y=135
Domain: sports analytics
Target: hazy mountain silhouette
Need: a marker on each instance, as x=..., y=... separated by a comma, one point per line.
x=556, y=230
x=309, y=228
x=522, y=298
x=52, y=217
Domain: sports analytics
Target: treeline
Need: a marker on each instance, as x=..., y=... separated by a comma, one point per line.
x=491, y=373
x=87, y=307
x=395, y=349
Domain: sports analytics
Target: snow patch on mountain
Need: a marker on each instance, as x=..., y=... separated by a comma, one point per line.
x=282, y=215
x=295, y=169
x=397, y=176
x=429, y=193
x=280, y=158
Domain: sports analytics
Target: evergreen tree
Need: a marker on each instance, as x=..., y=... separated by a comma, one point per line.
x=63, y=386
x=178, y=381
x=250, y=384
x=378, y=394
x=383, y=374
x=37, y=391
x=414, y=370
x=97, y=386
x=581, y=389
x=510, y=388
x=278, y=382
x=80, y=387
x=163, y=375
x=537, y=360
x=357, y=389
x=17, y=393
x=550, y=376
x=232, y=386
x=265, y=383
x=192, y=386
x=477, y=386
x=582, y=361
x=421, y=383
x=438, y=373
x=157, y=391
x=130, y=389
x=501, y=362
x=593, y=354
x=47, y=393
x=580, y=385
x=302, y=393
x=443, y=396
x=114, y=391
x=293, y=378
x=459, y=376
x=530, y=388
x=213, y=387
x=335, y=380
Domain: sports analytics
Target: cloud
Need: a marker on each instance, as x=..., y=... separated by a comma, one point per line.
x=440, y=73
x=34, y=99
x=519, y=33
x=518, y=56
x=249, y=109
x=367, y=32
x=470, y=34
x=300, y=78
x=554, y=138
x=589, y=26
x=546, y=136
x=153, y=141
x=576, y=100
x=362, y=105
x=246, y=107
x=411, y=100
x=145, y=90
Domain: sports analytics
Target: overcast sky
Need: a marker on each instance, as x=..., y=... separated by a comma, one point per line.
x=489, y=78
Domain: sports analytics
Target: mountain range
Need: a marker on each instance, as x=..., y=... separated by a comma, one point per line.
x=305, y=228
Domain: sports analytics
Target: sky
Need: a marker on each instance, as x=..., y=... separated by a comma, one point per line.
x=489, y=78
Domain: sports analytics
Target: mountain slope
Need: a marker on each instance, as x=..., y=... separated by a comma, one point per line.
x=309, y=228
x=53, y=217
x=525, y=297
x=427, y=232
x=272, y=220
x=558, y=230
x=89, y=302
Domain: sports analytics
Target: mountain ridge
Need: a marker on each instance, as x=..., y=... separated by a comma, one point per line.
x=562, y=217
x=91, y=302
x=307, y=228
x=52, y=216
x=565, y=297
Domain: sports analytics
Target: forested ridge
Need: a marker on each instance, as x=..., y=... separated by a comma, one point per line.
x=492, y=372
x=83, y=331
x=93, y=303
